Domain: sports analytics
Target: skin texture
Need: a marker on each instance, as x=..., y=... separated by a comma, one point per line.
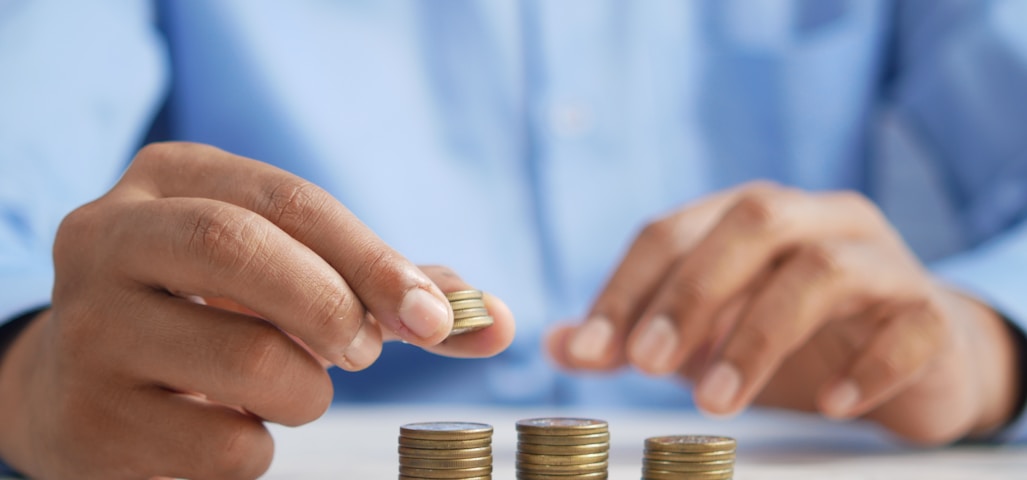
x=201, y=297
x=809, y=301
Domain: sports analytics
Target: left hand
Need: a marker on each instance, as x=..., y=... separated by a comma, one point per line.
x=809, y=301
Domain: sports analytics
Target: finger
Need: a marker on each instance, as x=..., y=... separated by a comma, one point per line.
x=215, y=249
x=597, y=344
x=893, y=359
x=761, y=226
x=230, y=358
x=180, y=436
x=395, y=291
x=482, y=343
x=815, y=284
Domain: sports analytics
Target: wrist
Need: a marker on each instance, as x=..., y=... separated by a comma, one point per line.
x=995, y=366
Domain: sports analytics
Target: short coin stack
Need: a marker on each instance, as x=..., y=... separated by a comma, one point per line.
x=469, y=312
x=448, y=450
x=689, y=457
x=562, y=449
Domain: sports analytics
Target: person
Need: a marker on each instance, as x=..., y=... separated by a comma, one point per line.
x=328, y=148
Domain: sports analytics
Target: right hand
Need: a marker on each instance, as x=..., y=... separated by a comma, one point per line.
x=132, y=374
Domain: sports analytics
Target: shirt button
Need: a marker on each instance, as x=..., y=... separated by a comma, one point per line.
x=568, y=120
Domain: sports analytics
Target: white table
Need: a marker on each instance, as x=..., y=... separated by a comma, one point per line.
x=359, y=443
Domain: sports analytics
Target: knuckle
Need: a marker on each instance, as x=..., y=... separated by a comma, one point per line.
x=760, y=187
x=229, y=238
x=818, y=260
x=862, y=207
x=75, y=230
x=296, y=202
x=245, y=452
x=336, y=316
x=692, y=292
x=756, y=211
x=154, y=152
x=660, y=234
x=374, y=268
x=755, y=342
x=887, y=366
x=262, y=354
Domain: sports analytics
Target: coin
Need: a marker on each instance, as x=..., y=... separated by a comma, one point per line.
x=465, y=304
x=562, y=449
x=563, y=469
x=561, y=426
x=689, y=466
x=445, y=463
x=577, y=476
x=690, y=443
x=579, y=459
x=602, y=437
x=430, y=444
x=688, y=457
x=665, y=475
x=464, y=295
x=473, y=324
x=446, y=430
x=469, y=313
x=454, y=473
x=456, y=452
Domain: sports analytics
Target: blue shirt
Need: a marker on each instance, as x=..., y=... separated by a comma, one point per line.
x=525, y=143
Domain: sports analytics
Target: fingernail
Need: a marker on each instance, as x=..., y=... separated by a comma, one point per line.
x=591, y=340
x=719, y=387
x=655, y=347
x=362, y=351
x=422, y=313
x=841, y=399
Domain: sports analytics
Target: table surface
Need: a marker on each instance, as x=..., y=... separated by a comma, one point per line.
x=360, y=443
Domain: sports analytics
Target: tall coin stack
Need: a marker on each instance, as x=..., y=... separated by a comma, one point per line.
x=447, y=450
x=562, y=449
x=689, y=457
x=469, y=312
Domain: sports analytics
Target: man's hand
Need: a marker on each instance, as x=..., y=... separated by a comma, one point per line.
x=201, y=296
x=807, y=301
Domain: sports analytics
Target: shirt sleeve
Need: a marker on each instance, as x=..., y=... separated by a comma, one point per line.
x=958, y=79
x=79, y=87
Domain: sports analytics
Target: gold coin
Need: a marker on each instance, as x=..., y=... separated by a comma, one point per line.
x=563, y=449
x=690, y=443
x=647, y=474
x=433, y=444
x=577, y=476
x=689, y=457
x=463, y=295
x=563, y=469
x=445, y=452
x=590, y=438
x=446, y=430
x=537, y=459
x=473, y=324
x=445, y=463
x=482, y=477
x=460, y=473
x=561, y=426
x=688, y=466
x=469, y=313
x=469, y=303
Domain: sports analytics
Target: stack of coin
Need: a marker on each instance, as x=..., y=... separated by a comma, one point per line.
x=450, y=450
x=689, y=457
x=562, y=449
x=469, y=312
